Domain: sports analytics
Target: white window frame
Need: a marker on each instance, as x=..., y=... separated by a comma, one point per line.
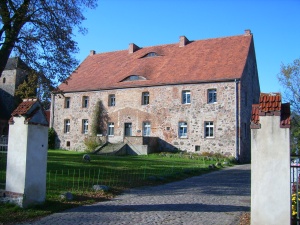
x=67, y=102
x=85, y=101
x=209, y=129
x=67, y=126
x=85, y=126
x=211, y=96
x=112, y=100
x=146, y=128
x=182, y=129
x=145, y=98
x=111, y=129
x=186, y=97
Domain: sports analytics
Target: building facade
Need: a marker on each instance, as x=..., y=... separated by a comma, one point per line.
x=194, y=96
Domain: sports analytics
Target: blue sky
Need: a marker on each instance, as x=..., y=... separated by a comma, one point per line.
x=275, y=25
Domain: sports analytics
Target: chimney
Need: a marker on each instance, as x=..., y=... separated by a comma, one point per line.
x=183, y=41
x=92, y=52
x=248, y=32
x=133, y=48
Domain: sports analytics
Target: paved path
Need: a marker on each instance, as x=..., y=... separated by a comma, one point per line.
x=215, y=198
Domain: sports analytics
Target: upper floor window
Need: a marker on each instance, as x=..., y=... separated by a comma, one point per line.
x=4, y=80
x=67, y=126
x=145, y=98
x=111, y=100
x=111, y=129
x=212, y=95
x=85, y=101
x=209, y=129
x=133, y=78
x=186, y=97
x=67, y=102
x=85, y=126
x=146, y=128
x=150, y=54
x=182, y=130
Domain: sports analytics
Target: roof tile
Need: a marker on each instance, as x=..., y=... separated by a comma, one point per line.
x=203, y=60
x=270, y=104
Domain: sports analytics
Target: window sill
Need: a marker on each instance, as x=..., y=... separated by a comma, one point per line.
x=209, y=137
x=183, y=137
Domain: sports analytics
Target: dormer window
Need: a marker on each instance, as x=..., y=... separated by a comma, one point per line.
x=134, y=77
x=150, y=54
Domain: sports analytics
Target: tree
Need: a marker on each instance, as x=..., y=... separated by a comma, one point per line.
x=41, y=33
x=289, y=78
x=36, y=86
x=28, y=88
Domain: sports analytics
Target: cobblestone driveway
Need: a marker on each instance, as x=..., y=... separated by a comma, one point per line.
x=215, y=198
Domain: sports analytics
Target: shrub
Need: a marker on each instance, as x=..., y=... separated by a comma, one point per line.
x=91, y=143
x=51, y=138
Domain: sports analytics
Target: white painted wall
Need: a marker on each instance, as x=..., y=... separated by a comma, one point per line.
x=16, y=155
x=36, y=161
x=27, y=161
x=270, y=173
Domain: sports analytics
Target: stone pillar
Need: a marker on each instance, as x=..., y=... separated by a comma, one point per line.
x=27, y=154
x=270, y=162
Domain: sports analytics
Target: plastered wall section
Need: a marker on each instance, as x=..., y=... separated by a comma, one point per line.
x=27, y=161
x=270, y=173
x=164, y=113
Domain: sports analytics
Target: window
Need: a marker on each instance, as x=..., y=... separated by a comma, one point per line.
x=197, y=148
x=67, y=126
x=146, y=128
x=212, y=96
x=111, y=129
x=150, y=54
x=145, y=98
x=4, y=80
x=209, y=129
x=134, y=78
x=85, y=101
x=68, y=144
x=111, y=100
x=85, y=126
x=186, y=97
x=182, y=129
x=67, y=102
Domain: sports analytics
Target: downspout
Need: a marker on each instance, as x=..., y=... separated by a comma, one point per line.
x=52, y=110
x=237, y=141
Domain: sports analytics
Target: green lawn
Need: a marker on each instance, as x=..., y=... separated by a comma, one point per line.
x=67, y=171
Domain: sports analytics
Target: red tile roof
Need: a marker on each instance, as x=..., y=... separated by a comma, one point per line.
x=270, y=105
x=199, y=61
x=23, y=108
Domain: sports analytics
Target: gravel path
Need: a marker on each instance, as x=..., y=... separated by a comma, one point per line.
x=216, y=198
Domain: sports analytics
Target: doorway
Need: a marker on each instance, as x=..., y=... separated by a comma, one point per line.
x=128, y=129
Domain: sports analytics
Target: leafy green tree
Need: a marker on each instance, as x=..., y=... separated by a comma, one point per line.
x=41, y=33
x=29, y=87
x=289, y=78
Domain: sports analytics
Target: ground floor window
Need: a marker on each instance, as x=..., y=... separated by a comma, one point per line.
x=85, y=126
x=146, y=128
x=182, y=129
x=111, y=129
x=67, y=126
x=209, y=129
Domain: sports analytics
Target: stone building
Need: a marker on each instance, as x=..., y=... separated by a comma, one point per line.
x=192, y=95
x=14, y=74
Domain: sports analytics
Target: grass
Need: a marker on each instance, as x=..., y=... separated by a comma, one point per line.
x=68, y=172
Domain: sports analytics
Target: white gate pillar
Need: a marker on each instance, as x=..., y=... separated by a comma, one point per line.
x=27, y=154
x=270, y=162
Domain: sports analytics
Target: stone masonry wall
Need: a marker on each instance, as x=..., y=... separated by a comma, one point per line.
x=164, y=113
